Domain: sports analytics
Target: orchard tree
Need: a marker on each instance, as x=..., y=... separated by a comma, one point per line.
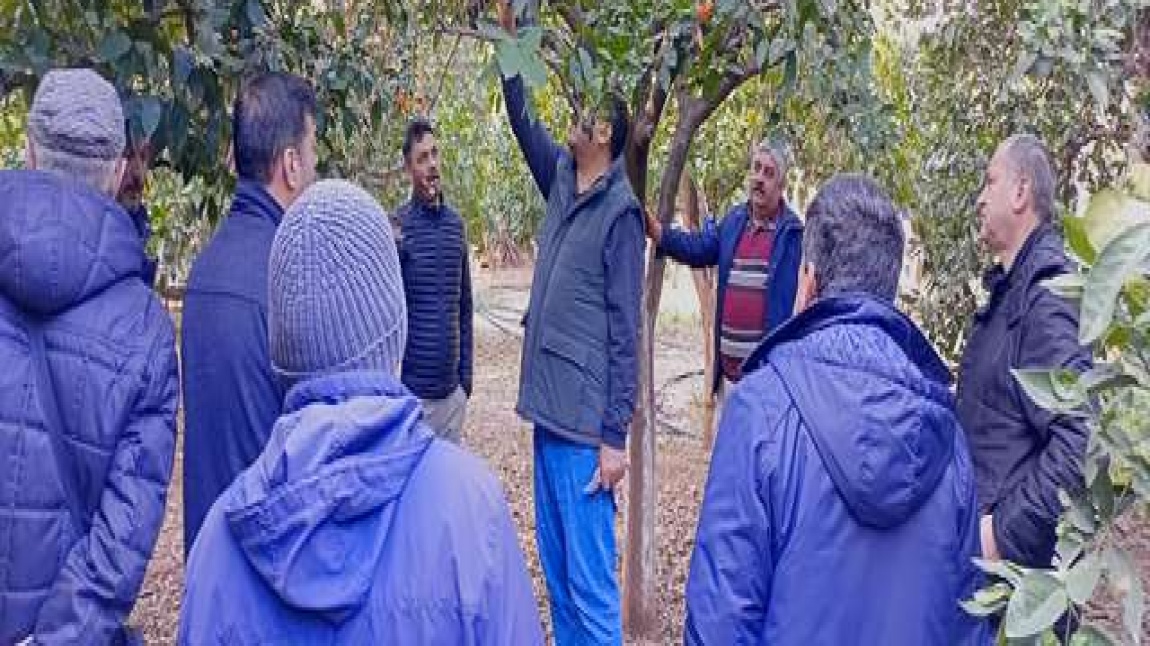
x=675, y=63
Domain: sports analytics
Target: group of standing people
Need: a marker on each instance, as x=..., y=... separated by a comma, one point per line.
x=327, y=359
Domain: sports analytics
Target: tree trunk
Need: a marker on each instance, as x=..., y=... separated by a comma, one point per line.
x=693, y=207
x=640, y=599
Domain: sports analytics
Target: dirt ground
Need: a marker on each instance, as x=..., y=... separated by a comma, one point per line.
x=494, y=432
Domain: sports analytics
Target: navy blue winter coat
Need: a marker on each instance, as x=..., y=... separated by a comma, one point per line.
x=840, y=506
x=715, y=246
x=231, y=398
x=355, y=526
x=1023, y=454
x=71, y=259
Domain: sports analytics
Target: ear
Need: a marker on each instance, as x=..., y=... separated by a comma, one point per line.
x=1020, y=199
x=807, y=288
x=121, y=167
x=29, y=154
x=290, y=165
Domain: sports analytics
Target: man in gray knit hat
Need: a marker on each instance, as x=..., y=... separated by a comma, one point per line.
x=89, y=395
x=356, y=525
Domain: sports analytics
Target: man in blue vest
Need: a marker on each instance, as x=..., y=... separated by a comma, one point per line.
x=578, y=378
x=231, y=399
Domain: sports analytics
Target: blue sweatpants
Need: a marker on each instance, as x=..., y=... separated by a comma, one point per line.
x=575, y=532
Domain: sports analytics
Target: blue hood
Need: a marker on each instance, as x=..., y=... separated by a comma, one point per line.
x=61, y=242
x=313, y=513
x=874, y=397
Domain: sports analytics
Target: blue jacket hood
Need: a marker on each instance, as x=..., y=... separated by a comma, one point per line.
x=855, y=369
x=61, y=242
x=313, y=513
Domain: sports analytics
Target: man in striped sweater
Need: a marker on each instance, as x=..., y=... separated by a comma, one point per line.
x=432, y=243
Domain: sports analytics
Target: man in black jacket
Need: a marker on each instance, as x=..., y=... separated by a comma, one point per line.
x=1022, y=453
x=437, y=281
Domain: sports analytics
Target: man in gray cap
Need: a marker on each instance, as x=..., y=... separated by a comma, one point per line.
x=88, y=394
x=356, y=525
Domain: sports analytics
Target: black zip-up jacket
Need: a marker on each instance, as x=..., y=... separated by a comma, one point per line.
x=1022, y=453
x=433, y=254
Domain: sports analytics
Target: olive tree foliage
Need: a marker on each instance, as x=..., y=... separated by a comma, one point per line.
x=976, y=73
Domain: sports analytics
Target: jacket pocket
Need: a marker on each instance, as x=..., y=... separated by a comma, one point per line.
x=571, y=384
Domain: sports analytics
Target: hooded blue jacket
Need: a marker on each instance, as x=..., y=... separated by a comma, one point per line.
x=354, y=526
x=840, y=507
x=70, y=264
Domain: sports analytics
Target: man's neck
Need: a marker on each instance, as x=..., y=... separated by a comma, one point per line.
x=765, y=215
x=1010, y=256
x=589, y=170
x=280, y=193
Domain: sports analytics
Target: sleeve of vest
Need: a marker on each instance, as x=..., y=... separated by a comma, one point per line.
x=623, y=264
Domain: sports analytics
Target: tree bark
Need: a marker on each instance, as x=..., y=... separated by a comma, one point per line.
x=694, y=207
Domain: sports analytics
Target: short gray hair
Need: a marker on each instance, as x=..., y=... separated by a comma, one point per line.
x=1026, y=154
x=854, y=238
x=778, y=150
x=98, y=174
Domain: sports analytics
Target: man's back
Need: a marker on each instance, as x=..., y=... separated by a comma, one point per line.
x=230, y=397
x=71, y=268
x=841, y=504
x=356, y=526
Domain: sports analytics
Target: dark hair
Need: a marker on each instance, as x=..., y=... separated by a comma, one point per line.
x=415, y=131
x=270, y=116
x=620, y=127
x=854, y=239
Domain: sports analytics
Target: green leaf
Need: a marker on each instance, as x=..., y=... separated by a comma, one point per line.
x=1051, y=389
x=1140, y=181
x=988, y=601
x=1079, y=512
x=1078, y=239
x=1010, y=572
x=151, y=110
x=1037, y=603
x=1092, y=636
x=114, y=46
x=1110, y=212
x=1096, y=81
x=255, y=13
x=1023, y=65
x=1069, y=286
x=1120, y=258
x=1083, y=578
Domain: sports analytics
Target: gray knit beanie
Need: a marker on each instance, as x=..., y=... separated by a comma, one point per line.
x=76, y=112
x=335, y=291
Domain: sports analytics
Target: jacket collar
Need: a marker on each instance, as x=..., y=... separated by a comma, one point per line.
x=1038, y=259
x=253, y=198
x=786, y=219
x=342, y=386
x=857, y=309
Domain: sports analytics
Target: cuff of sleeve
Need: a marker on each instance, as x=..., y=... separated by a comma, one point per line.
x=614, y=437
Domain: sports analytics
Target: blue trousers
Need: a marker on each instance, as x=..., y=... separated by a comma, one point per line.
x=575, y=533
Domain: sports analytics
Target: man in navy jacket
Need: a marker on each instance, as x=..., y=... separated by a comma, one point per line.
x=432, y=241
x=578, y=379
x=840, y=506
x=89, y=394
x=757, y=248
x=231, y=399
x=1022, y=453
